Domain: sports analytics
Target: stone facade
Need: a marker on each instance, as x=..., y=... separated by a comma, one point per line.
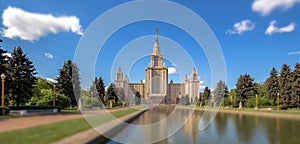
x=156, y=88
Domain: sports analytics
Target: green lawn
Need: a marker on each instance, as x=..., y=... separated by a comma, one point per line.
x=53, y=132
x=289, y=111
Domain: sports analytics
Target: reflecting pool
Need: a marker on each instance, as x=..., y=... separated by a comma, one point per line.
x=226, y=128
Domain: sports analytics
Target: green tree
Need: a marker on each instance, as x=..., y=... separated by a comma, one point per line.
x=3, y=61
x=68, y=82
x=221, y=92
x=272, y=85
x=296, y=85
x=3, y=64
x=111, y=93
x=137, y=98
x=86, y=98
x=36, y=92
x=263, y=99
x=285, y=84
x=94, y=96
x=206, y=95
x=20, y=77
x=244, y=89
x=100, y=88
x=47, y=97
x=232, y=97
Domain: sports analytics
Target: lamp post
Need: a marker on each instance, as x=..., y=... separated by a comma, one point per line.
x=54, y=96
x=231, y=101
x=256, y=102
x=2, y=79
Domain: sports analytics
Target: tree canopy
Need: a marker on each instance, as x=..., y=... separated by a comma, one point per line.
x=244, y=88
x=272, y=85
x=68, y=82
x=20, y=77
x=285, y=85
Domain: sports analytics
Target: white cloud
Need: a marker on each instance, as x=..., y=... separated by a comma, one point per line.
x=48, y=55
x=241, y=27
x=201, y=82
x=7, y=54
x=202, y=87
x=294, y=53
x=32, y=26
x=172, y=70
x=265, y=7
x=51, y=80
x=273, y=29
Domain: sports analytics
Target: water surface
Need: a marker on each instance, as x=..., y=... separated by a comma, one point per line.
x=226, y=128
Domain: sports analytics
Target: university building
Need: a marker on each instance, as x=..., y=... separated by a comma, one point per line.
x=156, y=89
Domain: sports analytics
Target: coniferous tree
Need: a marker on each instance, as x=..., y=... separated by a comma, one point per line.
x=137, y=98
x=206, y=96
x=206, y=93
x=20, y=77
x=220, y=92
x=272, y=85
x=285, y=85
x=244, y=88
x=3, y=64
x=93, y=93
x=3, y=60
x=100, y=88
x=68, y=82
x=111, y=92
x=296, y=86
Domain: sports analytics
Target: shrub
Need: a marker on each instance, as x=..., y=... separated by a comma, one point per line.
x=198, y=103
x=46, y=99
x=251, y=102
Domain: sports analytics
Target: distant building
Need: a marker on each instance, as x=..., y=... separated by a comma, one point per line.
x=156, y=88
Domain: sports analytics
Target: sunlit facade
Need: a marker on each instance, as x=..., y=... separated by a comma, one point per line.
x=155, y=88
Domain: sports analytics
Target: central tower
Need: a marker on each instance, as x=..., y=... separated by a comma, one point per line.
x=156, y=76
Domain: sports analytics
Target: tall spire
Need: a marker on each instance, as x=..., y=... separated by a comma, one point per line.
x=156, y=48
x=156, y=40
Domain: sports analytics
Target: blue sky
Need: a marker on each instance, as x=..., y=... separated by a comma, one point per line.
x=255, y=35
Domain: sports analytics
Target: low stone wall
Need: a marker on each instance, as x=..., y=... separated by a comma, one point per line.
x=33, y=111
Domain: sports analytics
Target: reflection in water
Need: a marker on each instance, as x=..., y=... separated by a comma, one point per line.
x=226, y=128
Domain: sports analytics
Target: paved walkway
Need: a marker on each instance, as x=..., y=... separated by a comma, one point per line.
x=31, y=121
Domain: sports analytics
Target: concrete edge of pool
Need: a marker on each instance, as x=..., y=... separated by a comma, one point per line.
x=91, y=136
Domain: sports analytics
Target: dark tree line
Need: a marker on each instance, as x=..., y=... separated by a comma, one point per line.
x=284, y=85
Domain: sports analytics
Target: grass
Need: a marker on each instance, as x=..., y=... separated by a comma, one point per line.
x=53, y=132
x=2, y=117
x=252, y=110
x=69, y=110
x=288, y=112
